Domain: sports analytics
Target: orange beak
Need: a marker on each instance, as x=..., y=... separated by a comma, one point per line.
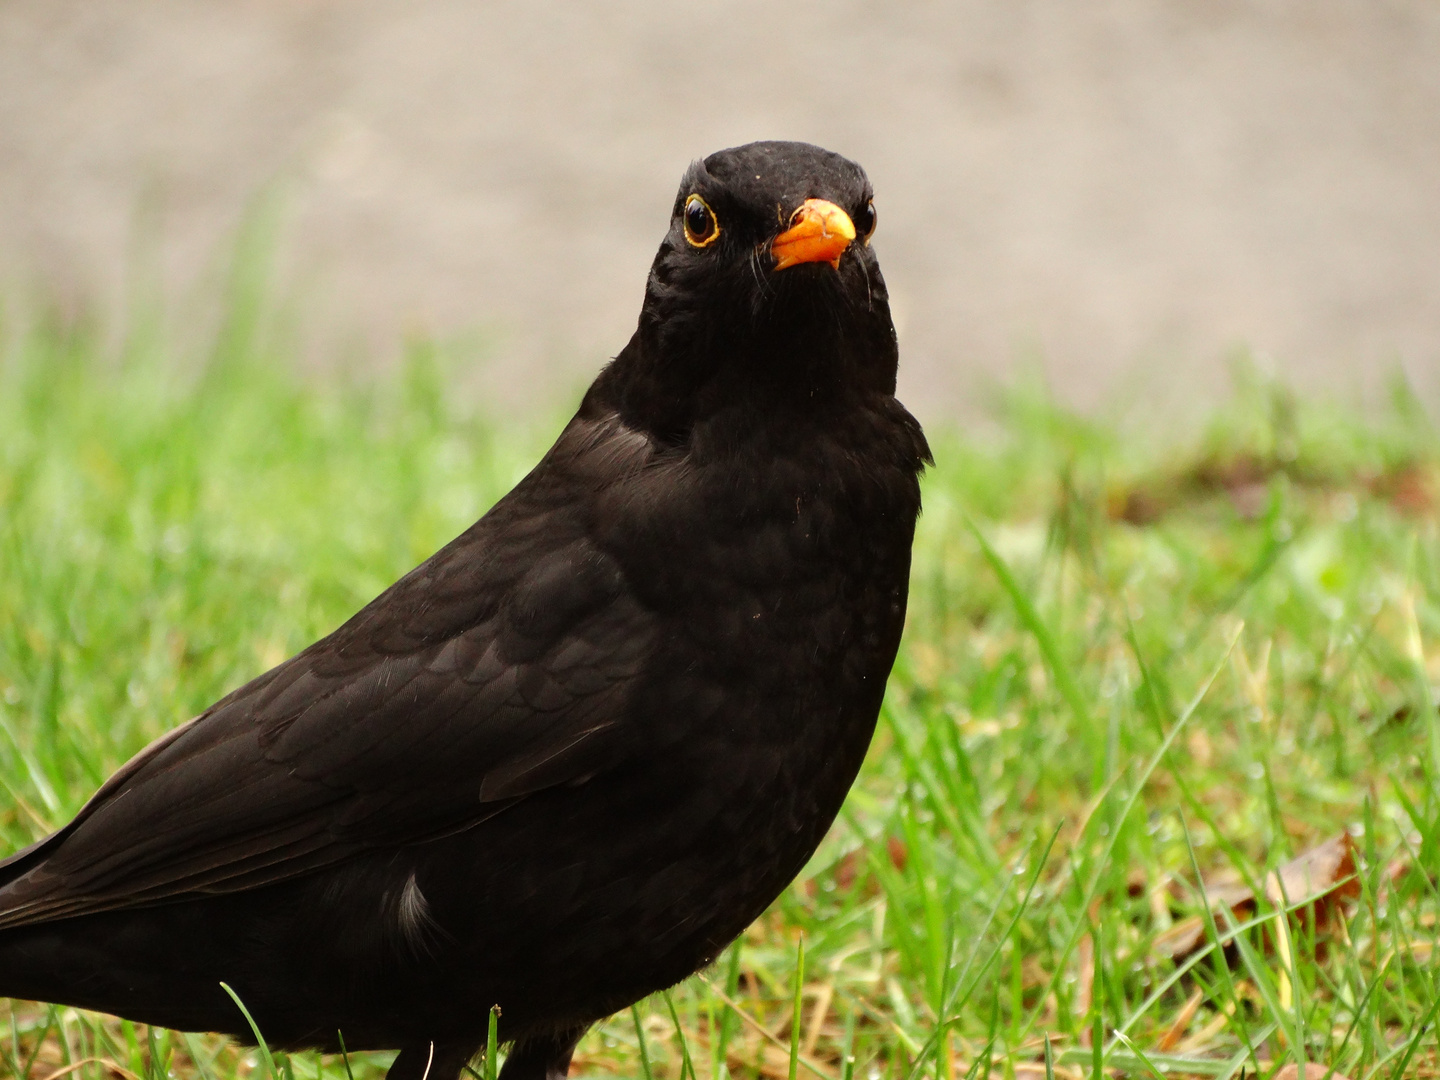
x=819, y=232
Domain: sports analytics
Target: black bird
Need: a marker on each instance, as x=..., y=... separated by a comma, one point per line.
x=567, y=759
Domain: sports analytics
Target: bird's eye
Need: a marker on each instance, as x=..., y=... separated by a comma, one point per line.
x=701, y=228
x=865, y=221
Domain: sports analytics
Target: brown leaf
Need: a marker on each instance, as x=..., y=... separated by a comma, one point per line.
x=1322, y=876
x=1314, y=884
x=898, y=852
x=1136, y=506
x=1185, y=935
x=1409, y=488
x=1181, y=939
x=847, y=869
x=1181, y=1024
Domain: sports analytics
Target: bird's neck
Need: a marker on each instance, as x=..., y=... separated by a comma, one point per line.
x=790, y=376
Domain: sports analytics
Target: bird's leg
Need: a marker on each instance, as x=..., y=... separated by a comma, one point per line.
x=542, y=1057
x=432, y=1061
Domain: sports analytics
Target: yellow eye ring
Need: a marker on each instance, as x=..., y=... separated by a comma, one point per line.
x=701, y=228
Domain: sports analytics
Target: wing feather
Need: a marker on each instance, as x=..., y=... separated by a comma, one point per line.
x=499, y=667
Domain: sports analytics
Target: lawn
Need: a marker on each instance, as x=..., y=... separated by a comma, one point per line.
x=1154, y=790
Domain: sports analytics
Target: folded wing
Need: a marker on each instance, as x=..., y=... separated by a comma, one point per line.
x=500, y=667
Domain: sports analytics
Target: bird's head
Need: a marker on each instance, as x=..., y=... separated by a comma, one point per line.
x=765, y=291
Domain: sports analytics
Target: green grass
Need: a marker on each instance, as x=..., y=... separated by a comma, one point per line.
x=1131, y=670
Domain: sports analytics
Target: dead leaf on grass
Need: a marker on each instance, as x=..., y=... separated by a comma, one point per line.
x=1410, y=488
x=847, y=867
x=1313, y=884
x=1186, y=935
x=1177, y=1030
x=1137, y=506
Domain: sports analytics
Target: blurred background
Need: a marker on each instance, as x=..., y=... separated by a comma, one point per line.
x=1118, y=197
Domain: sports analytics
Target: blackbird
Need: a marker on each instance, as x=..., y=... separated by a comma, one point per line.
x=562, y=763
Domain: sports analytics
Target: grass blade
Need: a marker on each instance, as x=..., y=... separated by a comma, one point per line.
x=1049, y=648
x=255, y=1029
x=645, y=1070
x=492, y=1043
x=797, y=1016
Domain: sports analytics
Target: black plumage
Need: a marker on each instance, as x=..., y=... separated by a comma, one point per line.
x=566, y=760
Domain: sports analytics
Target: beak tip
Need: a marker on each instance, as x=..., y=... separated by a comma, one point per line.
x=821, y=232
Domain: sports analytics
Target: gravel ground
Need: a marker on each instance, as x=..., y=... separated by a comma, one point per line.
x=1119, y=194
